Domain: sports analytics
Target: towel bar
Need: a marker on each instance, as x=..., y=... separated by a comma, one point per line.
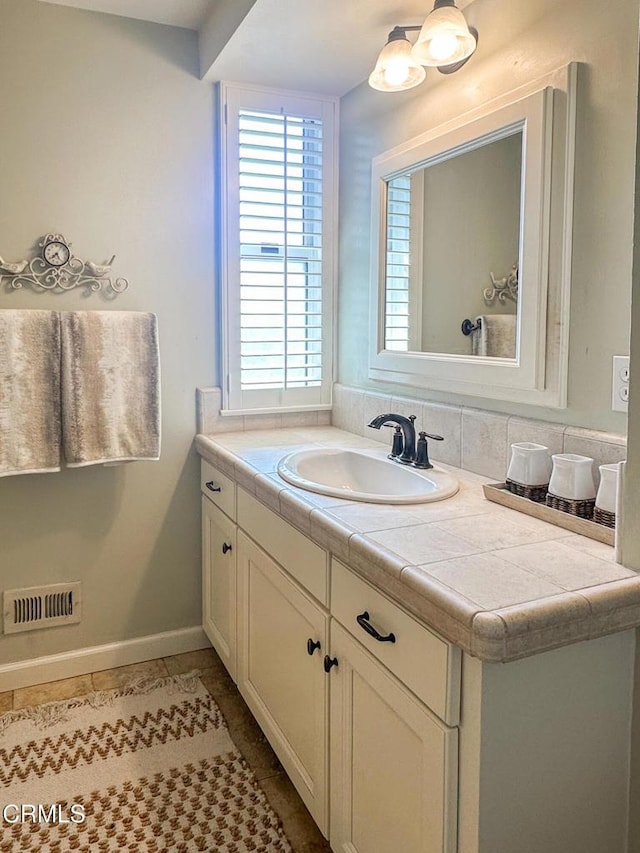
x=469, y=326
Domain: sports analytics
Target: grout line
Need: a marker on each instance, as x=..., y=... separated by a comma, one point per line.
x=268, y=775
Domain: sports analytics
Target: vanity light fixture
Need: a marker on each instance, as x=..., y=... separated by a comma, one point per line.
x=396, y=69
x=445, y=41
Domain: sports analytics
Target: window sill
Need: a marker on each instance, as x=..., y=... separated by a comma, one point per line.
x=274, y=410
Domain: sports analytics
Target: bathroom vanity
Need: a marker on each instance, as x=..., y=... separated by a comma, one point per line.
x=436, y=678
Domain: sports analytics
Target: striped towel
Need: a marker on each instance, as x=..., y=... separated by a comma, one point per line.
x=110, y=387
x=29, y=392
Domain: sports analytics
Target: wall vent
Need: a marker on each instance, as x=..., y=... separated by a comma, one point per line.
x=41, y=607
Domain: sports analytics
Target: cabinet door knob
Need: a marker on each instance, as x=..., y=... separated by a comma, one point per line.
x=212, y=486
x=363, y=622
x=329, y=662
x=226, y=547
x=311, y=646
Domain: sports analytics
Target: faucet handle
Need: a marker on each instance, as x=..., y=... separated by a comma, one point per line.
x=398, y=444
x=422, y=452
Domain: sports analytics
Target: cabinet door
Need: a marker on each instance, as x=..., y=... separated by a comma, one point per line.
x=219, y=583
x=284, y=686
x=393, y=762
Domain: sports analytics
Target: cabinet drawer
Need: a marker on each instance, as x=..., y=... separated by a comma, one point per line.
x=427, y=664
x=218, y=488
x=302, y=558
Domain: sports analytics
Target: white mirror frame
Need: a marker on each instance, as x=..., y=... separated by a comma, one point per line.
x=545, y=111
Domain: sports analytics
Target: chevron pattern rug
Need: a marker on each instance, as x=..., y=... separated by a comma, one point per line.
x=148, y=768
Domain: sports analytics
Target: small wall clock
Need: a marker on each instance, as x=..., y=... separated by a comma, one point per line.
x=56, y=252
x=57, y=269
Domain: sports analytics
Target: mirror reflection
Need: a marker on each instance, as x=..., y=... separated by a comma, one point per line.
x=452, y=250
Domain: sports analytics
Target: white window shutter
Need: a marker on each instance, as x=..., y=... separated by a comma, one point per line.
x=398, y=263
x=278, y=181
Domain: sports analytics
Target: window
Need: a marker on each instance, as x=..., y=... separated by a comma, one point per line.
x=403, y=262
x=278, y=259
x=398, y=261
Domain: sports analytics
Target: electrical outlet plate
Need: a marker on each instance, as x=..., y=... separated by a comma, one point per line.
x=620, y=384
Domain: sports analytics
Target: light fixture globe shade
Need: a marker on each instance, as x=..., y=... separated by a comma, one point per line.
x=444, y=38
x=395, y=69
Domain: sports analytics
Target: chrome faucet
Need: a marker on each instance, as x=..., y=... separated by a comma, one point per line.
x=408, y=455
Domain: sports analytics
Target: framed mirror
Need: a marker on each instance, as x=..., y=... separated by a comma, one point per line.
x=452, y=227
x=470, y=273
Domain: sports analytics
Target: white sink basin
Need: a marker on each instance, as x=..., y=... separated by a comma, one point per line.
x=360, y=475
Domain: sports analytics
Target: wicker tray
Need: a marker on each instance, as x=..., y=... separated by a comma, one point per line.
x=498, y=493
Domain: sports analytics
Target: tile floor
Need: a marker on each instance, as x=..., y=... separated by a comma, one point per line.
x=245, y=732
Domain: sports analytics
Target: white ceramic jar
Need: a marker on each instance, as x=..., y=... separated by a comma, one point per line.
x=608, y=488
x=530, y=464
x=572, y=477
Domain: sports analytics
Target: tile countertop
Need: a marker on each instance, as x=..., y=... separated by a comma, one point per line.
x=497, y=583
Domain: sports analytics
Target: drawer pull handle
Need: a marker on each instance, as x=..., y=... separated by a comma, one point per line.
x=363, y=622
x=311, y=646
x=226, y=547
x=329, y=662
x=212, y=486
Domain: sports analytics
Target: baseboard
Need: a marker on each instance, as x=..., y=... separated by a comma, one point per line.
x=82, y=661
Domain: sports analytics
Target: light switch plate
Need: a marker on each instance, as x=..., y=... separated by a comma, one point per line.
x=620, y=384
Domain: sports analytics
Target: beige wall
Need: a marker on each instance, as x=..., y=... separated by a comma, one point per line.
x=519, y=42
x=106, y=136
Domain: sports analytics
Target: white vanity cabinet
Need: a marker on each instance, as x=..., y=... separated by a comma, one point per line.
x=282, y=634
x=219, y=564
x=283, y=628
x=365, y=729
x=407, y=745
x=393, y=760
x=270, y=626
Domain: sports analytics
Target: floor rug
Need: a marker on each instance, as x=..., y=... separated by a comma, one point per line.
x=148, y=768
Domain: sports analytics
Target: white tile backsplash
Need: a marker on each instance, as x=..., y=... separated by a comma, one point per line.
x=602, y=447
x=538, y=432
x=354, y=414
x=447, y=422
x=209, y=419
x=474, y=439
x=300, y=419
x=406, y=407
x=375, y=404
x=348, y=406
x=484, y=443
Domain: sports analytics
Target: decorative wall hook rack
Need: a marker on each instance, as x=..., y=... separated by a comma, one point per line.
x=56, y=269
x=503, y=288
